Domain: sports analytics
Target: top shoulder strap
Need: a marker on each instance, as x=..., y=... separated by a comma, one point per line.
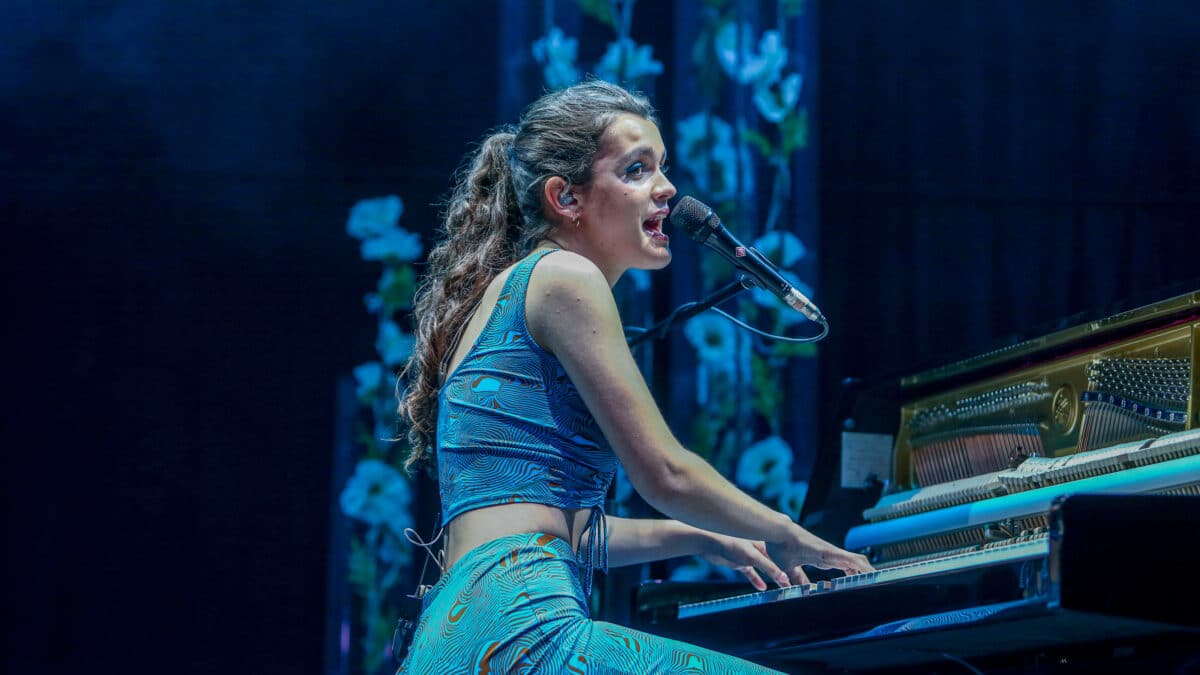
x=518, y=281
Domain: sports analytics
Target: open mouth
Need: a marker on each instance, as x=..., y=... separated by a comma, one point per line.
x=653, y=227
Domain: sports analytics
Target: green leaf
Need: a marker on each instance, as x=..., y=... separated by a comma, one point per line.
x=377, y=640
x=708, y=71
x=759, y=141
x=792, y=8
x=807, y=350
x=767, y=393
x=793, y=131
x=396, y=288
x=750, y=312
x=600, y=10
x=365, y=434
x=362, y=566
x=715, y=269
x=702, y=436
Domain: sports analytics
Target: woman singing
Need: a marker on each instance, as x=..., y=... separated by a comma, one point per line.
x=522, y=383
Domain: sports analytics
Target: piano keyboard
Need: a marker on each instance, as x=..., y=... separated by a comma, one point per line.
x=1036, y=472
x=1157, y=477
x=1158, y=465
x=1021, y=548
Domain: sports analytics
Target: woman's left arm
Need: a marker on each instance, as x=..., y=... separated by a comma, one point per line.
x=635, y=541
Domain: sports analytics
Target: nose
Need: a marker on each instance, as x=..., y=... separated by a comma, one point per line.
x=665, y=189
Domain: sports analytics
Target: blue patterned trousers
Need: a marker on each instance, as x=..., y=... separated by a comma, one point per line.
x=515, y=605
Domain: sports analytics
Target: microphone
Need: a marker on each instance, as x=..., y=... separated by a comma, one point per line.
x=702, y=224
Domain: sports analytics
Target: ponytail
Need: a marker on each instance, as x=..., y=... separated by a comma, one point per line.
x=479, y=239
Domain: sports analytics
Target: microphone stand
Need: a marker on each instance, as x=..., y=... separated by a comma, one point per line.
x=690, y=309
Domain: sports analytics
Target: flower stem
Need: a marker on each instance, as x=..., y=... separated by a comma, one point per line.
x=780, y=190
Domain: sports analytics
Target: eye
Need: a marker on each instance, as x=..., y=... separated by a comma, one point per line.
x=636, y=170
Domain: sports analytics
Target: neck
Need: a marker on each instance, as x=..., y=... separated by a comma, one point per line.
x=561, y=241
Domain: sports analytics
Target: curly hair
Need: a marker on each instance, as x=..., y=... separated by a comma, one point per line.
x=493, y=217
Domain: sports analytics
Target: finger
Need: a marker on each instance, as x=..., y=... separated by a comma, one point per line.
x=751, y=575
x=847, y=562
x=768, y=566
x=853, y=563
x=798, y=576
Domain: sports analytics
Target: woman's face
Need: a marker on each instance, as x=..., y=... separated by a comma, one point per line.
x=623, y=207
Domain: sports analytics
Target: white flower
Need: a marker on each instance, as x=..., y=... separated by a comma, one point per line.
x=714, y=340
x=625, y=61
x=393, y=344
x=781, y=247
x=377, y=494
x=373, y=217
x=369, y=377
x=791, y=498
x=766, y=466
x=705, y=148
x=394, y=244
x=775, y=484
x=743, y=64
x=775, y=101
x=556, y=53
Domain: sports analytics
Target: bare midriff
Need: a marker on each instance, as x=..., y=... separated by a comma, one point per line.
x=479, y=526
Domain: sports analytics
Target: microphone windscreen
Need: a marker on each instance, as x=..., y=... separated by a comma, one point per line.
x=693, y=217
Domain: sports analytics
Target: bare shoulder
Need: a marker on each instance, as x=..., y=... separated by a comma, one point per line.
x=566, y=277
x=567, y=292
x=566, y=270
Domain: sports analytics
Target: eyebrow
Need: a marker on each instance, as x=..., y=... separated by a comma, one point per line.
x=640, y=150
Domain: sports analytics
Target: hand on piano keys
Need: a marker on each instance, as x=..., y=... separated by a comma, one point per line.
x=780, y=563
x=805, y=548
x=745, y=556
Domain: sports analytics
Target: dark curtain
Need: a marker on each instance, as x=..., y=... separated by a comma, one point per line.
x=993, y=170
x=175, y=184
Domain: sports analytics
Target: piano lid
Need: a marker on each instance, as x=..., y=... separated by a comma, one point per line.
x=1154, y=315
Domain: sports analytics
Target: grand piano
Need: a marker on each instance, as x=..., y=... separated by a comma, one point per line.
x=1028, y=509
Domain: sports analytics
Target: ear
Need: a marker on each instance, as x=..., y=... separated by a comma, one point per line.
x=558, y=198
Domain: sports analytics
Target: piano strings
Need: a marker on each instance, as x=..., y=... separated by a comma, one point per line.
x=1133, y=399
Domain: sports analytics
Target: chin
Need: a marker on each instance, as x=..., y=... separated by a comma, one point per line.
x=659, y=261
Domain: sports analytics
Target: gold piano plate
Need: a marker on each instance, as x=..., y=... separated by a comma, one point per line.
x=1127, y=377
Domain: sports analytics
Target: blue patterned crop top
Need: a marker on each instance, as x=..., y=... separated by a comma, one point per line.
x=513, y=428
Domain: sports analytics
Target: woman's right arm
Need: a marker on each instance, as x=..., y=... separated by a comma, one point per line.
x=571, y=313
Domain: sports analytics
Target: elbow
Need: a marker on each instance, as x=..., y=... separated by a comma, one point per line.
x=668, y=481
